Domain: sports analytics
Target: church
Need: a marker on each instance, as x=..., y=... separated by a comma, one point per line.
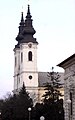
x=26, y=69
x=25, y=60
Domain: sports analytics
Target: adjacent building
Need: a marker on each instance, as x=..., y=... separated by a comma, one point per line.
x=69, y=87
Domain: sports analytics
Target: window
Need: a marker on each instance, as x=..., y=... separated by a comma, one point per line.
x=30, y=56
x=19, y=80
x=71, y=101
x=15, y=61
x=30, y=77
x=21, y=57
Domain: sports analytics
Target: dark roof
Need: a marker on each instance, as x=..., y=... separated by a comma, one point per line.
x=43, y=78
x=26, y=30
x=67, y=61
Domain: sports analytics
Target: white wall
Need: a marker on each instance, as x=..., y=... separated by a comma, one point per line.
x=24, y=69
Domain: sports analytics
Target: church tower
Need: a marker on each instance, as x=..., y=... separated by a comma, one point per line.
x=25, y=57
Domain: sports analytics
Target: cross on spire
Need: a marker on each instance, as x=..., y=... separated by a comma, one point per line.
x=22, y=8
x=28, y=2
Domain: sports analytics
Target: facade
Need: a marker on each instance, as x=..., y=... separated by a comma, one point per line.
x=69, y=87
x=25, y=61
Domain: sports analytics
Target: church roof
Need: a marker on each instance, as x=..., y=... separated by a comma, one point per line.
x=43, y=78
x=26, y=30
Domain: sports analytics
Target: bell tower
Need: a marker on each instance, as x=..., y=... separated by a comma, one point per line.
x=25, y=56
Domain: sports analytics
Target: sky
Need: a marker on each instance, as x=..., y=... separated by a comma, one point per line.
x=54, y=22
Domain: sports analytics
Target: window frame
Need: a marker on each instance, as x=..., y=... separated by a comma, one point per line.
x=30, y=56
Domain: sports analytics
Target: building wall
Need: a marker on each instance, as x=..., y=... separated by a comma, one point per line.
x=16, y=61
x=25, y=70
x=69, y=86
x=28, y=65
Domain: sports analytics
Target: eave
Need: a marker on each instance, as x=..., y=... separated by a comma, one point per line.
x=67, y=62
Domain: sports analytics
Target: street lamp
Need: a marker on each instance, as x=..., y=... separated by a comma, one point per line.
x=29, y=109
x=0, y=115
x=69, y=101
x=69, y=106
x=42, y=118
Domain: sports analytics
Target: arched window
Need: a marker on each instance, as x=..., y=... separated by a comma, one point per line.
x=29, y=56
x=21, y=57
x=15, y=61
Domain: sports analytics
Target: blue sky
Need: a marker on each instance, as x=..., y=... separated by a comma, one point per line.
x=54, y=22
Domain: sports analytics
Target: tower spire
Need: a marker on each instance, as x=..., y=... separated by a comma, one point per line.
x=28, y=12
x=21, y=27
x=22, y=19
x=28, y=9
x=29, y=31
x=26, y=30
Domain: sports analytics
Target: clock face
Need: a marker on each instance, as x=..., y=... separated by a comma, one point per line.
x=30, y=45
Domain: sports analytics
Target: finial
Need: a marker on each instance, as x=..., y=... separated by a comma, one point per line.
x=28, y=9
x=22, y=19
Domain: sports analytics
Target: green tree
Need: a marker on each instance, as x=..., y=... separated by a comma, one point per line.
x=38, y=111
x=24, y=102
x=52, y=88
x=1, y=104
x=51, y=99
x=16, y=106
